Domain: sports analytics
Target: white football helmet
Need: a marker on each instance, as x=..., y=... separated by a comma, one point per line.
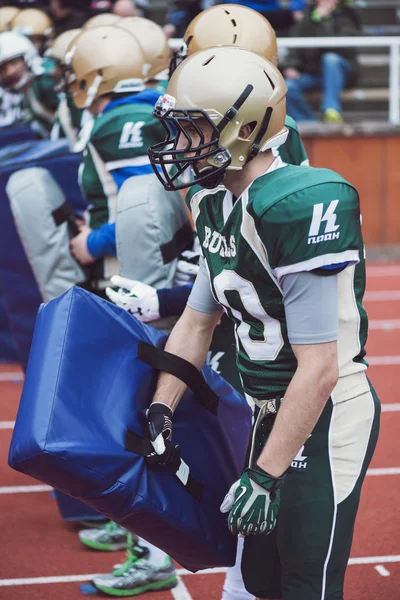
x=14, y=45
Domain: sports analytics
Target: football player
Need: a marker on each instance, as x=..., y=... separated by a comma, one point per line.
x=107, y=74
x=283, y=257
x=23, y=72
x=219, y=25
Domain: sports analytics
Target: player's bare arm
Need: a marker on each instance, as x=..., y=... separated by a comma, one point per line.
x=316, y=376
x=190, y=339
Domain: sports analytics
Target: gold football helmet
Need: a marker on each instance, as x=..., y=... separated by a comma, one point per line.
x=102, y=20
x=154, y=43
x=7, y=14
x=228, y=25
x=58, y=48
x=224, y=88
x=103, y=60
x=33, y=22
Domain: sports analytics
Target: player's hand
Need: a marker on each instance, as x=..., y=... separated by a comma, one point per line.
x=253, y=503
x=136, y=297
x=78, y=246
x=187, y=268
x=159, y=421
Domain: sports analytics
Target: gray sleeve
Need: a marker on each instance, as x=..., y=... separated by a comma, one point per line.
x=201, y=297
x=311, y=307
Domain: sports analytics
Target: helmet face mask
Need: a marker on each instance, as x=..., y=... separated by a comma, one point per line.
x=171, y=153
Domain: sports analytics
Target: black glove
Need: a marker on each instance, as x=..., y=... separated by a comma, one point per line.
x=159, y=422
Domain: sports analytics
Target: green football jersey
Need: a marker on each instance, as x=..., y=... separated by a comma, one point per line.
x=11, y=108
x=121, y=136
x=222, y=345
x=293, y=151
x=41, y=100
x=289, y=220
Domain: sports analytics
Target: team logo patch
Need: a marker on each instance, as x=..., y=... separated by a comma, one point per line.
x=331, y=229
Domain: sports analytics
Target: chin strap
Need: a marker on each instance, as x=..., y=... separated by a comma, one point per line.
x=214, y=179
x=255, y=148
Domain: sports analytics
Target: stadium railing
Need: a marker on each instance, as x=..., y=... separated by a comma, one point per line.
x=392, y=93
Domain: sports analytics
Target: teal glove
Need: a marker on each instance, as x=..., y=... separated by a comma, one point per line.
x=253, y=503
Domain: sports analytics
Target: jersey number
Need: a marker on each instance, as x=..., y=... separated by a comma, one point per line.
x=267, y=348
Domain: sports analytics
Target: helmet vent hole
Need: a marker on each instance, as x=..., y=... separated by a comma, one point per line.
x=234, y=38
x=208, y=61
x=233, y=22
x=270, y=80
x=189, y=40
x=227, y=12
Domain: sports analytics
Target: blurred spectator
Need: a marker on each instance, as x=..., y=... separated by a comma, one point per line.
x=124, y=8
x=281, y=14
x=68, y=14
x=326, y=69
x=180, y=14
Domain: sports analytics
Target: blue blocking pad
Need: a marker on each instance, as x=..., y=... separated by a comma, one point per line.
x=13, y=134
x=84, y=388
x=20, y=293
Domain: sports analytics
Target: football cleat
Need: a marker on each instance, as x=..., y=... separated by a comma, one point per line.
x=137, y=575
x=108, y=538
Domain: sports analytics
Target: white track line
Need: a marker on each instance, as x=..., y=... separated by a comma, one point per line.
x=383, y=271
x=382, y=571
x=365, y=560
x=180, y=592
x=24, y=489
x=14, y=376
x=390, y=407
x=385, y=324
x=7, y=424
x=384, y=471
x=383, y=360
x=382, y=295
x=372, y=560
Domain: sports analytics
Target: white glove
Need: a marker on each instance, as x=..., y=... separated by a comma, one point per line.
x=187, y=268
x=136, y=297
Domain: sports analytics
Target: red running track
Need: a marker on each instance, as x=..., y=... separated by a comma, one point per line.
x=37, y=545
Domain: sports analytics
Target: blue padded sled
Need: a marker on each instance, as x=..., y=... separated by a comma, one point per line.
x=16, y=133
x=21, y=296
x=8, y=352
x=84, y=388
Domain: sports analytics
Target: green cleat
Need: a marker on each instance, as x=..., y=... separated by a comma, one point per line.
x=137, y=575
x=108, y=538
